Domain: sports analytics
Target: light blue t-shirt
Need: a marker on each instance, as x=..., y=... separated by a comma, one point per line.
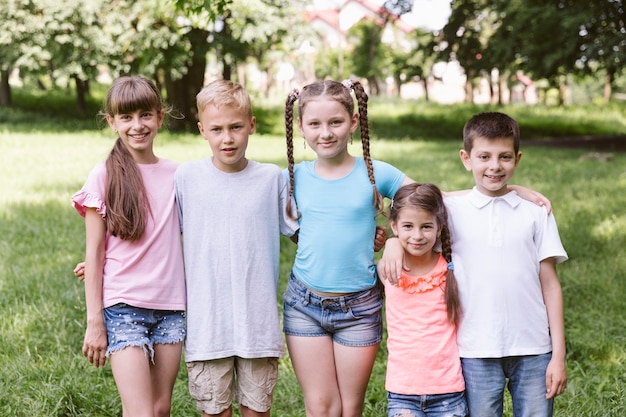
x=338, y=224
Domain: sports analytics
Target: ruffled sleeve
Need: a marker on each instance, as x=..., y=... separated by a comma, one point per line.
x=83, y=200
x=434, y=279
x=91, y=195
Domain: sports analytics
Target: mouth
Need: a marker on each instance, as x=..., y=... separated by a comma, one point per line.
x=229, y=151
x=138, y=137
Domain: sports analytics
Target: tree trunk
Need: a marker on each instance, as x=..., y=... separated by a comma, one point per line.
x=608, y=81
x=181, y=93
x=5, y=89
x=81, y=94
x=426, y=92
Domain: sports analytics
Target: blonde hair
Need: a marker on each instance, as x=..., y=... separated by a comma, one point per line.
x=224, y=93
x=340, y=92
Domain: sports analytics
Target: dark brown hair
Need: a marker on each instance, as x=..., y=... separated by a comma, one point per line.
x=428, y=197
x=490, y=125
x=339, y=92
x=126, y=199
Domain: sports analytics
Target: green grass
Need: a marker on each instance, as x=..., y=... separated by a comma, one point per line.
x=43, y=373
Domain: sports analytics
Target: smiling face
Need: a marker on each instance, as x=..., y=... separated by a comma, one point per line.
x=326, y=126
x=417, y=230
x=137, y=131
x=492, y=162
x=227, y=128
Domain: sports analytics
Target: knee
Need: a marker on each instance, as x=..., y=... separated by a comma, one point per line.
x=324, y=408
x=162, y=409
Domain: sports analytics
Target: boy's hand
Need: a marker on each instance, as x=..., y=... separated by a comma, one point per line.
x=391, y=264
x=556, y=378
x=79, y=271
x=380, y=238
x=532, y=196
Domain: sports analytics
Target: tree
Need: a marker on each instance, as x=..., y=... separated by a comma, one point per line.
x=465, y=38
x=368, y=58
x=417, y=63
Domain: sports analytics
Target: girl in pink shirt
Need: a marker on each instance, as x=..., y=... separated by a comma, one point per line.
x=133, y=270
x=424, y=375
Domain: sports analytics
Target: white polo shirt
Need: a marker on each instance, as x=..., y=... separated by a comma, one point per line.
x=497, y=245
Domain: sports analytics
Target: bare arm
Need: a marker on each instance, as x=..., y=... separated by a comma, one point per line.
x=391, y=263
x=556, y=374
x=95, y=342
x=532, y=196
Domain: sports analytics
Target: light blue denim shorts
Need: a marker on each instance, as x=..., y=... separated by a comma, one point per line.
x=133, y=326
x=437, y=405
x=352, y=320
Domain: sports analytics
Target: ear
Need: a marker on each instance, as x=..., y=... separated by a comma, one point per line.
x=111, y=122
x=517, y=159
x=394, y=227
x=161, y=117
x=465, y=158
x=300, y=127
x=252, y=125
x=354, y=123
x=201, y=129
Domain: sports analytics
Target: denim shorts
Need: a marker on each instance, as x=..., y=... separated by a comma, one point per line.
x=486, y=378
x=143, y=327
x=352, y=320
x=438, y=405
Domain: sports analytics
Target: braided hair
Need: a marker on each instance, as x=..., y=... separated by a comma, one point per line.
x=340, y=92
x=428, y=197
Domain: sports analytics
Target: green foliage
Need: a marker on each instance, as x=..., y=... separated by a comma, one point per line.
x=42, y=371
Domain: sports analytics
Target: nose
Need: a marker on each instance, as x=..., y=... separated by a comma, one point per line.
x=137, y=122
x=227, y=137
x=326, y=132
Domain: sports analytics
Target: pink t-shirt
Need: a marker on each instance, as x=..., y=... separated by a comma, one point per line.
x=423, y=355
x=147, y=273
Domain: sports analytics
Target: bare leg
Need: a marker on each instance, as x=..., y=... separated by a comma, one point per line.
x=313, y=360
x=131, y=370
x=163, y=374
x=354, y=367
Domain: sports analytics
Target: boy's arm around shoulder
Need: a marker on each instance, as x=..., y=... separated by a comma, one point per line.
x=556, y=373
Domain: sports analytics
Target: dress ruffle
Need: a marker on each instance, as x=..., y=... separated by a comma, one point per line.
x=434, y=279
x=83, y=200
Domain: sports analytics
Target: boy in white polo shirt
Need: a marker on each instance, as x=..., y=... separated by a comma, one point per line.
x=505, y=250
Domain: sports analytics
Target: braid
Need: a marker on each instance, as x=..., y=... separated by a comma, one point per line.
x=362, y=98
x=453, y=304
x=293, y=96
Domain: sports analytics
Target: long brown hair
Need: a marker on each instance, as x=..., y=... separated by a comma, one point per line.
x=126, y=199
x=339, y=92
x=428, y=197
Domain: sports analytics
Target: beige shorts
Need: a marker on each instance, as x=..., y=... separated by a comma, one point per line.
x=215, y=384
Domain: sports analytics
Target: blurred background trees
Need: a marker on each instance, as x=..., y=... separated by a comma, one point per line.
x=273, y=45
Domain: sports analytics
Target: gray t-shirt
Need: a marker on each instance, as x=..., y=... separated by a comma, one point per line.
x=231, y=225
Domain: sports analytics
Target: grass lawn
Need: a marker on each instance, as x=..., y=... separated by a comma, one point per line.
x=43, y=373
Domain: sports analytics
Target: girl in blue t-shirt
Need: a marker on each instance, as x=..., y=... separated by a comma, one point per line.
x=332, y=305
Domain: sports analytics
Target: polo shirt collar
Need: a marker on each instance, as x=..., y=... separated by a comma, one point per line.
x=480, y=200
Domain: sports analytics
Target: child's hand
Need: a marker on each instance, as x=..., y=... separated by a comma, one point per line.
x=391, y=263
x=532, y=196
x=79, y=271
x=95, y=344
x=380, y=238
x=556, y=378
